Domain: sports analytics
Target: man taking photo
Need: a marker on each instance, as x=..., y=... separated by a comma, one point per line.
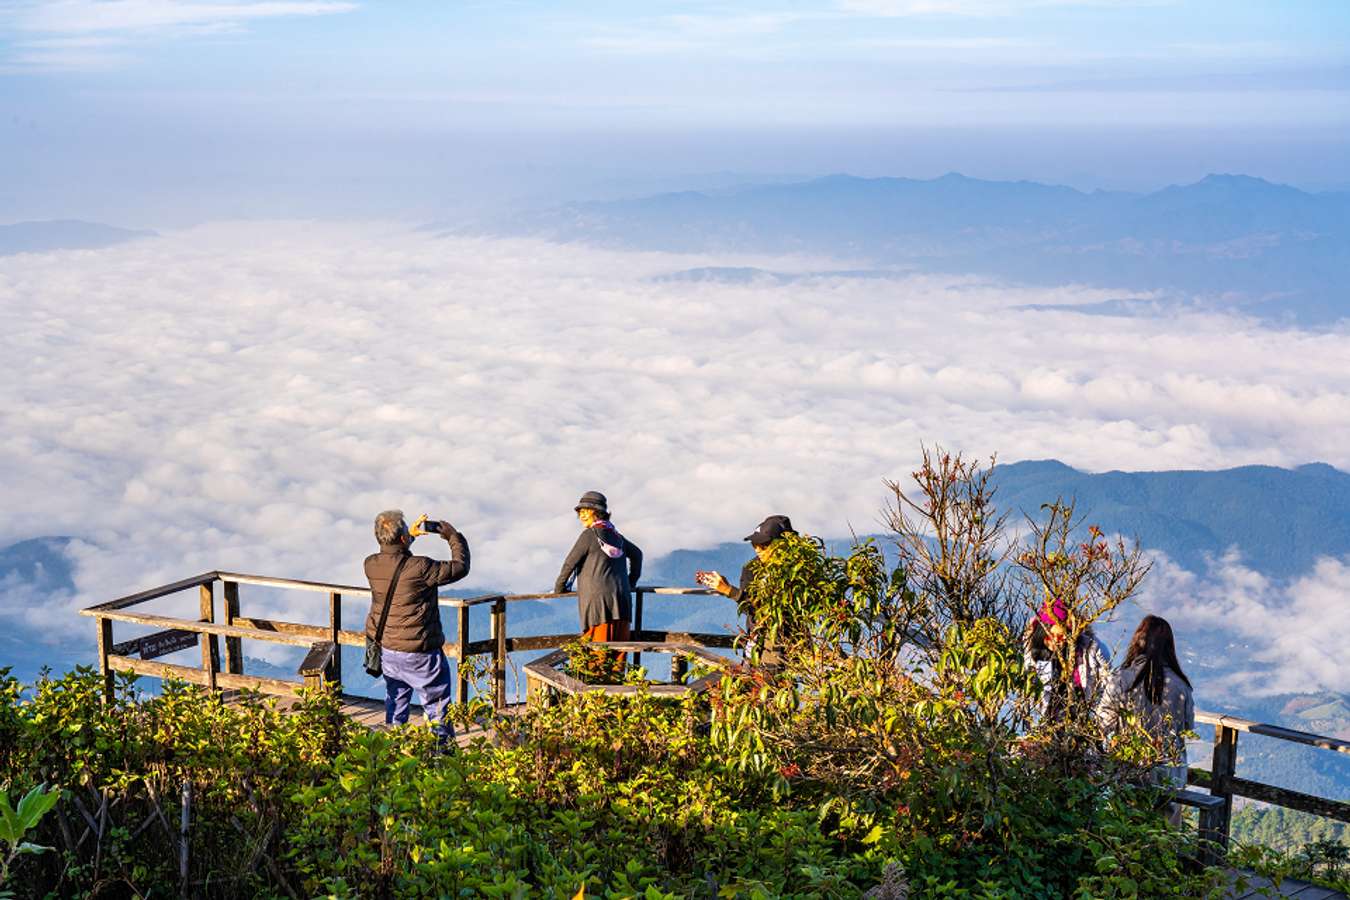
x=406, y=620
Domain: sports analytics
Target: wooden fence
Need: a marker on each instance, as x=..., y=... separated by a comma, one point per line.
x=324, y=665
x=1223, y=781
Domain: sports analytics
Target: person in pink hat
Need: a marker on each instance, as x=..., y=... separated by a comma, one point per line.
x=1089, y=661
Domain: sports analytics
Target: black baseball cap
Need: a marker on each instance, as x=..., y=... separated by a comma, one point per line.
x=771, y=529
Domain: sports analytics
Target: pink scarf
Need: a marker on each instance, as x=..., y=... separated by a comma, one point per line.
x=610, y=541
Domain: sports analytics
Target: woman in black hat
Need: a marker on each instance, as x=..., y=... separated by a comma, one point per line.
x=606, y=566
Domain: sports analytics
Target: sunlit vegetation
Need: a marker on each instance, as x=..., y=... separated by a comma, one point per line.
x=894, y=752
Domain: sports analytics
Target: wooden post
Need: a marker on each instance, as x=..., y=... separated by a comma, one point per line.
x=234, y=647
x=105, y=642
x=637, y=622
x=462, y=689
x=679, y=665
x=1222, y=770
x=184, y=821
x=499, y=653
x=335, y=627
x=210, y=643
x=1213, y=834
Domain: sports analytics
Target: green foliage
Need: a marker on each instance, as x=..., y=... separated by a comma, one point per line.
x=16, y=822
x=1322, y=861
x=121, y=768
x=805, y=594
x=1285, y=829
x=592, y=664
x=627, y=796
x=889, y=752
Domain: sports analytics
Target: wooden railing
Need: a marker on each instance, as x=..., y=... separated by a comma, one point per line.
x=177, y=633
x=324, y=665
x=1223, y=781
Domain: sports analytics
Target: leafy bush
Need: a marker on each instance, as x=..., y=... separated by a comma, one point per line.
x=16, y=822
x=1321, y=862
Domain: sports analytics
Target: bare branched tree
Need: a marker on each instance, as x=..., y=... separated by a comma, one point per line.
x=1093, y=577
x=953, y=547
x=1088, y=576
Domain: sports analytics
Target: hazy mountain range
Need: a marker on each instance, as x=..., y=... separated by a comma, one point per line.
x=1225, y=242
x=62, y=234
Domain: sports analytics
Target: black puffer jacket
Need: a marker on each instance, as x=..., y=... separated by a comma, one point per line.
x=604, y=581
x=414, y=624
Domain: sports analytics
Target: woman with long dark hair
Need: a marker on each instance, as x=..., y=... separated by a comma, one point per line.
x=1152, y=689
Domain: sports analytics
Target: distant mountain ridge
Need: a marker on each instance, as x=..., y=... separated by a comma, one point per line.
x=1280, y=520
x=1233, y=241
x=63, y=234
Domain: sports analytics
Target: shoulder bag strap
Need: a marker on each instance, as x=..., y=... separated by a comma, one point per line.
x=388, y=598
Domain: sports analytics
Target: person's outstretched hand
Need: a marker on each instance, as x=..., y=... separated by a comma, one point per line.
x=717, y=582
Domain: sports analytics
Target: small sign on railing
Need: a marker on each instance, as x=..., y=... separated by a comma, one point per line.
x=161, y=643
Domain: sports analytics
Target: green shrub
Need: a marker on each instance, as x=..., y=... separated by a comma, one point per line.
x=892, y=754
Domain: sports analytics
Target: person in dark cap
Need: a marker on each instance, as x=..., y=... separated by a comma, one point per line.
x=762, y=539
x=606, y=566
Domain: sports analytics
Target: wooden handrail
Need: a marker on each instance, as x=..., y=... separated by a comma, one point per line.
x=235, y=628
x=555, y=595
x=199, y=627
x=1273, y=731
x=294, y=584
x=324, y=587
x=153, y=593
x=1223, y=781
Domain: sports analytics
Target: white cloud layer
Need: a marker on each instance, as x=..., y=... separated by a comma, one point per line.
x=1290, y=638
x=248, y=396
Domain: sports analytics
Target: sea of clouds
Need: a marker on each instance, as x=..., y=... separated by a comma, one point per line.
x=247, y=395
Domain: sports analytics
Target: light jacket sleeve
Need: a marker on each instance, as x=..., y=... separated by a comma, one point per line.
x=1109, y=703
x=572, y=563
x=1092, y=666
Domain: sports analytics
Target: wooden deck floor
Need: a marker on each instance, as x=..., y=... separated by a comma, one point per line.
x=1255, y=886
x=370, y=713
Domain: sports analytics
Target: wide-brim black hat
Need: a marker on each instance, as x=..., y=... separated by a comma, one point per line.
x=593, y=500
x=771, y=529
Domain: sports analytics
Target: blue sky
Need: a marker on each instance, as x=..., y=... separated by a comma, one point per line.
x=872, y=86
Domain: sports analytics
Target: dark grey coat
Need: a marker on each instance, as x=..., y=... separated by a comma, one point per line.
x=414, y=623
x=604, y=584
x=1166, y=721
